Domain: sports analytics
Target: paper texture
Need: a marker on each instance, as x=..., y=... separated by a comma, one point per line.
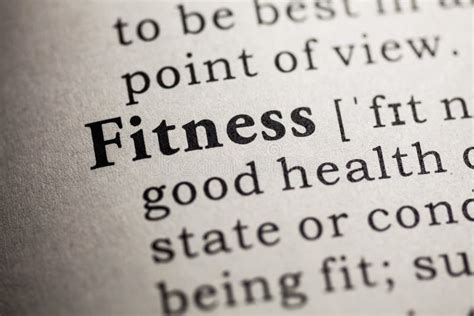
x=75, y=241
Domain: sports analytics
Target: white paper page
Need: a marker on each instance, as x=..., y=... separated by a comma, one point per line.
x=375, y=106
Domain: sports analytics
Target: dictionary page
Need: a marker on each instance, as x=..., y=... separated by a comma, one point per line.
x=248, y=157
